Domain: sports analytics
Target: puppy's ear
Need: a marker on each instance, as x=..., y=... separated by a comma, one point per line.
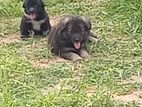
x=64, y=22
x=87, y=21
x=41, y=3
x=23, y=5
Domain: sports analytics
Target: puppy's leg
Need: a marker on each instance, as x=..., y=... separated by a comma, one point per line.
x=25, y=28
x=37, y=34
x=83, y=53
x=45, y=28
x=71, y=56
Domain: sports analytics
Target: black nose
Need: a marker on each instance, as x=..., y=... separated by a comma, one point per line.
x=31, y=10
x=77, y=39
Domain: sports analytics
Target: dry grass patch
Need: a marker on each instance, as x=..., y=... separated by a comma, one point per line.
x=12, y=38
x=135, y=96
x=133, y=80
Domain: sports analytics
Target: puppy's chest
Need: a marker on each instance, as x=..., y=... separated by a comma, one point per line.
x=36, y=25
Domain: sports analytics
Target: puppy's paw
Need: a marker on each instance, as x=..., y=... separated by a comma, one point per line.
x=24, y=36
x=71, y=56
x=45, y=33
x=75, y=57
x=83, y=53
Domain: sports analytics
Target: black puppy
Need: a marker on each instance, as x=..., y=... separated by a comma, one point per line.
x=34, y=19
x=69, y=38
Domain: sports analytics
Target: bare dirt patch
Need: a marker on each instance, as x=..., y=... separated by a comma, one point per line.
x=135, y=96
x=44, y=63
x=132, y=80
x=12, y=38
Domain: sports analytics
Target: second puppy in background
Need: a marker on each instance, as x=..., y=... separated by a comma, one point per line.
x=69, y=38
x=34, y=19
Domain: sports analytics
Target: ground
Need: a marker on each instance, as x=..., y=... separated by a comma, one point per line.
x=32, y=76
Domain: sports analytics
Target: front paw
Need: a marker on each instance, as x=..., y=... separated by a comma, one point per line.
x=24, y=36
x=83, y=53
x=45, y=33
x=75, y=57
x=71, y=56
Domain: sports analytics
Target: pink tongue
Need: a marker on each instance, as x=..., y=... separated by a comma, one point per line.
x=77, y=45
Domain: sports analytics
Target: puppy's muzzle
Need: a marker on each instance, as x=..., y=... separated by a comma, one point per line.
x=32, y=10
x=76, y=42
x=76, y=38
x=32, y=14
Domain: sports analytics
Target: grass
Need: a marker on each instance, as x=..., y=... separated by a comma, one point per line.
x=9, y=26
x=128, y=14
x=115, y=57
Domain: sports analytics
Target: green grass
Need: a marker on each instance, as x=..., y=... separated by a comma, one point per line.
x=115, y=57
x=9, y=26
x=126, y=16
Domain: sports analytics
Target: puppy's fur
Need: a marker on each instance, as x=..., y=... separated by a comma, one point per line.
x=69, y=38
x=34, y=19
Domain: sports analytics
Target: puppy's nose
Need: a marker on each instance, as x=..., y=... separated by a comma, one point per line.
x=31, y=10
x=77, y=39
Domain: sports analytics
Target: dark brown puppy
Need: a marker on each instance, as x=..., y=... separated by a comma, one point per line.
x=34, y=19
x=69, y=38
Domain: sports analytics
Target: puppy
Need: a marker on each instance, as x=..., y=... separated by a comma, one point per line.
x=69, y=38
x=34, y=19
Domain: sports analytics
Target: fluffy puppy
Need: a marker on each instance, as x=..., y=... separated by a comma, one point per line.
x=69, y=38
x=34, y=19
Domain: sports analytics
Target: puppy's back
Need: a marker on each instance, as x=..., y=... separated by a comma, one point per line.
x=52, y=37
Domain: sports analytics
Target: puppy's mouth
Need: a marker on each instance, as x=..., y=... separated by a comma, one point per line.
x=77, y=45
x=32, y=16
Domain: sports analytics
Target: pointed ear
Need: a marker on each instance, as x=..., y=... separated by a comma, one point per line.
x=87, y=21
x=64, y=22
x=23, y=5
x=41, y=3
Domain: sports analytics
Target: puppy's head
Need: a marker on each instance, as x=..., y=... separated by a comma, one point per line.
x=75, y=30
x=33, y=8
